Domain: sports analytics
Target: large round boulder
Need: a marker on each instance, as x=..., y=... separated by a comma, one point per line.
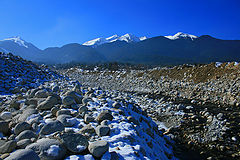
x=51, y=127
x=74, y=142
x=21, y=127
x=98, y=148
x=23, y=154
x=48, y=149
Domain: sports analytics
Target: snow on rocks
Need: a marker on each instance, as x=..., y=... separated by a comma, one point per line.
x=76, y=122
x=17, y=74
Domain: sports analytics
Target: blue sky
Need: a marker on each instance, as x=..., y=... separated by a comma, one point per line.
x=47, y=23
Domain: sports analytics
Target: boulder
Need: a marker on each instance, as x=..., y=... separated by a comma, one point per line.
x=4, y=128
x=41, y=94
x=6, y=115
x=8, y=146
x=23, y=143
x=23, y=154
x=102, y=130
x=26, y=113
x=51, y=127
x=88, y=118
x=68, y=100
x=104, y=115
x=21, y=127
x=48, y=103
x=87, y=129
x=116, y=105
x=98, y=148
x=74, y=142
x=77, y=97
x=63, y=112
x=48, y=149
x=66, y=120
x=82, y=109
x=27, y=134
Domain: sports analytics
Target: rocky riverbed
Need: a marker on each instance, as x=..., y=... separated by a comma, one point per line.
x=60, y=118
x=199, y=105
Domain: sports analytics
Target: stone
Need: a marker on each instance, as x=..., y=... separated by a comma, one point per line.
x=15, y=104
x=6, y=115
x=26, y=113
x=48, y=103
x=82, y=109
x=41, y=94
x=23, y=143
x=116, y=105
x=48, y=149
x=132, y=119
x=23, y=154
x=21, y=127
x=68, y=100
x=98, y=148
x=74, y=142
x=105, y=122
x=51, y=127
x=54, y=110
x=104, y=115
x=32, y=101
x=4, y=128
x=86, y=100
x=102, y=130
x=77, y=97
x=88, y=118
x=66, y=120
x=55, y=89
x=8, y=146
x=27, y=134
x=87, y=129
x=63, y=112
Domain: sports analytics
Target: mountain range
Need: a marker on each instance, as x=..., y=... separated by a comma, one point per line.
x=161, y=50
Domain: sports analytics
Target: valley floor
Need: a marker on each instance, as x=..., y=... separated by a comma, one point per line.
x=199, y=105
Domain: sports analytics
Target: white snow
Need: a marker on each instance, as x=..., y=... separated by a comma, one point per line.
x=53, y=150
x=218, y=64
x=80, y=157
x=181, y=35
x=81, y=148
x=127, y=37
x=17, y=40
x=143, y=38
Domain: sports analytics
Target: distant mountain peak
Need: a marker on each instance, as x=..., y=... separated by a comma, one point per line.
x=129, y=38
x=181, y=35
x=18, y=40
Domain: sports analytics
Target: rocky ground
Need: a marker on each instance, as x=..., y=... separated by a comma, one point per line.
x=61, y=119
x=199, y=104
x=17, y=74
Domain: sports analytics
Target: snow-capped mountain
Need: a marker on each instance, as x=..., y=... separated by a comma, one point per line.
x=18, y=40
x=181, y=35
x=129, y=38
x=19, y=47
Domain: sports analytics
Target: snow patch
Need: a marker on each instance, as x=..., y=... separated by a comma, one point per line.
x=127, y=37
x=181, y=35
x=80, y=157
x=81, y=148
x=53, y=150
x=17, y=40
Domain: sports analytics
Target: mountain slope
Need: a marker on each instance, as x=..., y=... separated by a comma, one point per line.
x=129, y=38
x=73, y=52
x=19, y=47
x=162, y=50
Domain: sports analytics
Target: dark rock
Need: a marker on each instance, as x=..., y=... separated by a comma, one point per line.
x=23, y=154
